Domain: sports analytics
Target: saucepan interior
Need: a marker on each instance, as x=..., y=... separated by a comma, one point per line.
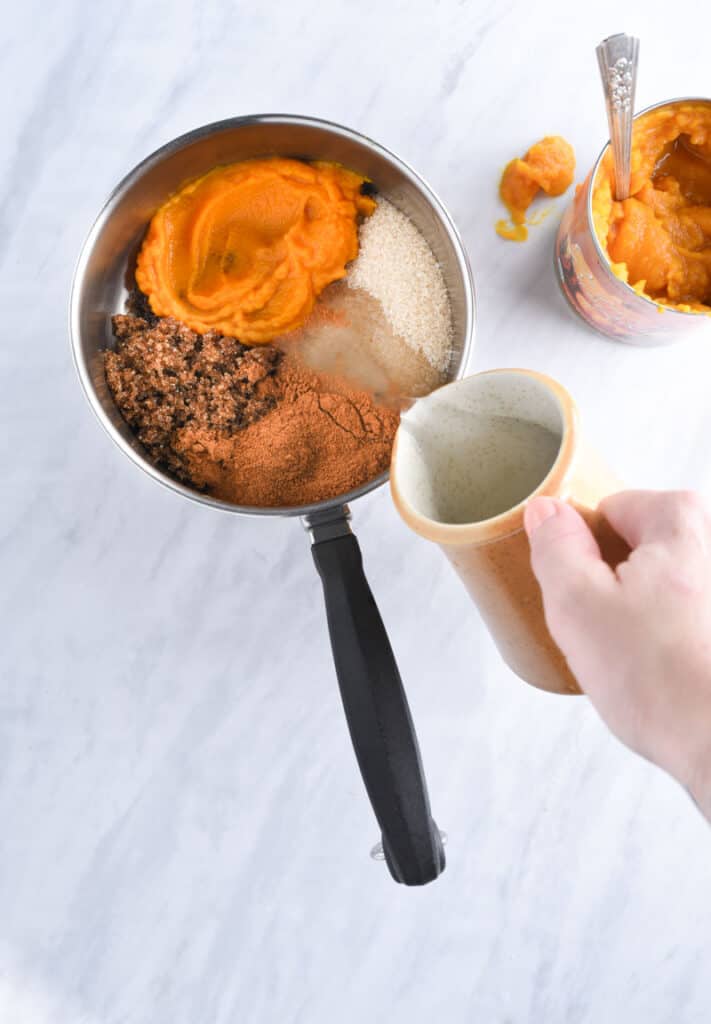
x=104, y=273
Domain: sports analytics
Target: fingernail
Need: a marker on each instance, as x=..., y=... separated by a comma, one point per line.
x=537, y=511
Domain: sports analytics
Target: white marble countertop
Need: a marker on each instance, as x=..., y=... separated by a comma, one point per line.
x=183, y=833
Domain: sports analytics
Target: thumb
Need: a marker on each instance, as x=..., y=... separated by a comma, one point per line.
x=565, y=556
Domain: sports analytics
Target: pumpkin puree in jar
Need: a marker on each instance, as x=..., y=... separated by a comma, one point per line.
x=548, y=166
x=246, y=249
x=659, y=239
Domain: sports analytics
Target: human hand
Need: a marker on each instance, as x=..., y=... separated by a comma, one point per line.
x=637, y=638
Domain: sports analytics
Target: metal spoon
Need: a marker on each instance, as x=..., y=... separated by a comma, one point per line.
x=617, y=58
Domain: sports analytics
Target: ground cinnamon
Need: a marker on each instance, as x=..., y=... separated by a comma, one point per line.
x=321, y=439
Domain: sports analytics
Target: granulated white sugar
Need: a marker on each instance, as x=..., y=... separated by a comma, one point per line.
x=397, y=267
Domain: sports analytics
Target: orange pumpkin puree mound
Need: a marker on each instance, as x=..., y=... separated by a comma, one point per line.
x=659, y=239
x=246, y=249
x=549, y=166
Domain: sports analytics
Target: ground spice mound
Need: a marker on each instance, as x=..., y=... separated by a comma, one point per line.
x=247, y=425
x=322, y=439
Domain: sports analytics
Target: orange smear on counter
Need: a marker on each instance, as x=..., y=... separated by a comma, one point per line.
x=512, y=232
x=548, y=166
x=247, y=248
x=659, y=239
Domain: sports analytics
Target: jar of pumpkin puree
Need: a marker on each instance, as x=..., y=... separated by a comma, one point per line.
x=640, y=270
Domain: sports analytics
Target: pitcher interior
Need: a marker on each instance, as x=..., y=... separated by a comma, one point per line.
x=477, y=448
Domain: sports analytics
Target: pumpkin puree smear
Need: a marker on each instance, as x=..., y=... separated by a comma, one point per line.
x=271, y=339
x=548, y=167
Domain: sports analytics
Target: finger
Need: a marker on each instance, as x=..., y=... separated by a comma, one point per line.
x=676, y=519
x=565, y=556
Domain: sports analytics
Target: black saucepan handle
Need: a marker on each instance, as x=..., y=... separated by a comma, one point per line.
x=376, y=708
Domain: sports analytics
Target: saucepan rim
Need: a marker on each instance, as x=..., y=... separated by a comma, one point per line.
x=154, y=159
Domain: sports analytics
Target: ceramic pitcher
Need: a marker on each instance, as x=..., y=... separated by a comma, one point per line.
x=466, y=460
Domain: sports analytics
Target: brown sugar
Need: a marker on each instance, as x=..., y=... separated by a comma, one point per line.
x=247, y=425
x=165, y=377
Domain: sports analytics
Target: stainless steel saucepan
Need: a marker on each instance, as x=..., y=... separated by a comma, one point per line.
x=374, y=700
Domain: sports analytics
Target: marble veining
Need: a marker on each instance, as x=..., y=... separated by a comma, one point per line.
x=183, y=834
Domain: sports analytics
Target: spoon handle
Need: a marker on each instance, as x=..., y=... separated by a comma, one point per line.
x=617, y=57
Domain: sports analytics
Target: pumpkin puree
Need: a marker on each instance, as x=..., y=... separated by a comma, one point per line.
x=659, y=239
x=246, y=248
x=549, y=165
